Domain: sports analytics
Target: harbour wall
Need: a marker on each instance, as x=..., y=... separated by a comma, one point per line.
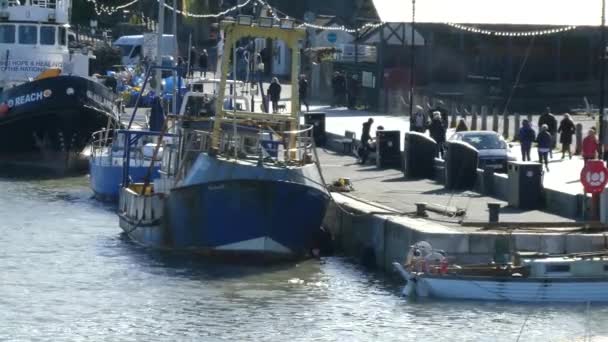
x=378, y=237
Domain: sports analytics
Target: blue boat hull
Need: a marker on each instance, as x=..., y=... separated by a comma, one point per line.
x=106, y=180
x=237, y=217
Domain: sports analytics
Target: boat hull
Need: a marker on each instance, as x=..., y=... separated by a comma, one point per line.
x=516, y=289
x=242, y=217
x=47, y=123
x=105, y=179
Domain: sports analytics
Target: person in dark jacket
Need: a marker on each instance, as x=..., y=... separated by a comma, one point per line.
x=545, y=141
x=566, y=130
x=338, y=84
x=549, y=119
x=192, y=61
x=526, y=138
x=303, y=91
x=353, y=91
x=437, y=131
x=274, y=92
x=203, y=62
x=462, y=126
x=365, y=138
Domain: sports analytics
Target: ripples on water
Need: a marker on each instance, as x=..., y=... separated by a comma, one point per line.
x=66, y=274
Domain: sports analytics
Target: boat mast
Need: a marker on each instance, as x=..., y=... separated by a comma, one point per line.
x=159, y=53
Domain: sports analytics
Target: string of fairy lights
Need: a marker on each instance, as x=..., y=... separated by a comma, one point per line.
x=511, y=33
x=109, y=10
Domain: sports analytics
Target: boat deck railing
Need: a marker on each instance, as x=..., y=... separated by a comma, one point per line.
x=51, y=4
x=251, y=143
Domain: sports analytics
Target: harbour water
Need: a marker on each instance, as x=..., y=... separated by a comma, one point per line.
x=67, y=274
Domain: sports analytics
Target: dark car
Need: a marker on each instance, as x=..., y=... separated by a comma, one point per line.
x=494, y=152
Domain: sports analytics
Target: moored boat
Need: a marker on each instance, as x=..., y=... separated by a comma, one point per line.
x=48, y=106
x=234, y=182
x=579, y=277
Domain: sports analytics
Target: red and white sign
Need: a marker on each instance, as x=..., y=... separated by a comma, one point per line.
x=594, y=176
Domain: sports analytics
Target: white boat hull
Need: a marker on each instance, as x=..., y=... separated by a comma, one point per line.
x=505, y=289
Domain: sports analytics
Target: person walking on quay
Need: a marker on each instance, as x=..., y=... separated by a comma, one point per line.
x=549, y=119
x=338, y=84
x=203, y=62
x=274, y=92
x=526, y=138
x=462, y=126
x=192, y=61
x=418, y=120
x=353, y=91
x=303, y=91
x=590, y=145
x=364, y=149
x=545, y=141
x=437, y=131
x=566, y=130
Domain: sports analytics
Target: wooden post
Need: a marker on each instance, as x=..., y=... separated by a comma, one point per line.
x=495, y=119
x=516, y=126
x=484, y=118
x=474, y=110
x=579, y=139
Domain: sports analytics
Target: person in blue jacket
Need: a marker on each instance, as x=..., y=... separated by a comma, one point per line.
x=526, y=138
x=545, y=143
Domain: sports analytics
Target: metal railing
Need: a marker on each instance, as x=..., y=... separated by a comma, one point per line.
x=249, y=143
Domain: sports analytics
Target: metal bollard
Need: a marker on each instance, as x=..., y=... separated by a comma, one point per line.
x=579, y=139
x=421, y=209
x=494, y=209
x=484, y=118
x=474, y=112
x=505, y=125
x=516, y=126
x=495, y=119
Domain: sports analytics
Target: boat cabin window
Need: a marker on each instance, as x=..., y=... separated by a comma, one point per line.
x=7, y=34
x=47, y=35
x=62, y=36
x=557, y=268
x=28, y=34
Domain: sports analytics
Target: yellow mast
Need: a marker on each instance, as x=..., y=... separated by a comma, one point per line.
x=233, y=32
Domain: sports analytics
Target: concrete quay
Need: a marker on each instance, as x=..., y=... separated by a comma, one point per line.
x=377, y=223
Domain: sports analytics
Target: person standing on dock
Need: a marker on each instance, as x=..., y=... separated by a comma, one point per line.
x=274, y=92
x=418, y=120
x=526, y=138
x=545, y=141
x=437, y=131
x=365, y=138
x=549, y=119
x=566, y=130
x=203, y=62
x=590, y=145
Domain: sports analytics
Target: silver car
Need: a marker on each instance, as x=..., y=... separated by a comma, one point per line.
x=494, y=151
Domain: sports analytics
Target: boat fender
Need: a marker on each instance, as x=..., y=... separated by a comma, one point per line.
x=4, y=108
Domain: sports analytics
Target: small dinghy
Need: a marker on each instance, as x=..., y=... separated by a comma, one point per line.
x=531, y=277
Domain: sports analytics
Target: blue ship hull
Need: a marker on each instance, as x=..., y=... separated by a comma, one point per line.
x=106, y=180
x=230, y=208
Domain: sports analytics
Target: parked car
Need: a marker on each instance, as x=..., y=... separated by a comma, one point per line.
x=494, y=151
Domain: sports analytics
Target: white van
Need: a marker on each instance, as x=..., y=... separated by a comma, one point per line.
x=131, y=47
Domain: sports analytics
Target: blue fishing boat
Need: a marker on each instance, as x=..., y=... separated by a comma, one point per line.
x=112, y=149
x=232, y=182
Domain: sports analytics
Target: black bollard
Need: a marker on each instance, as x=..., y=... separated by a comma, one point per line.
x=494, y=209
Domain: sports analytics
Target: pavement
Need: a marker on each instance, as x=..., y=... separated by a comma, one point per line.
x=389, y=188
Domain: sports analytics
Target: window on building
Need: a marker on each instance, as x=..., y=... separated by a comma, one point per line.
x=7, y=34
x=62, y=36
x=28, y=34
x=47, y=35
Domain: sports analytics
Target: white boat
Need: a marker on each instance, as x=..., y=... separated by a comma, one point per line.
x=567, y=278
